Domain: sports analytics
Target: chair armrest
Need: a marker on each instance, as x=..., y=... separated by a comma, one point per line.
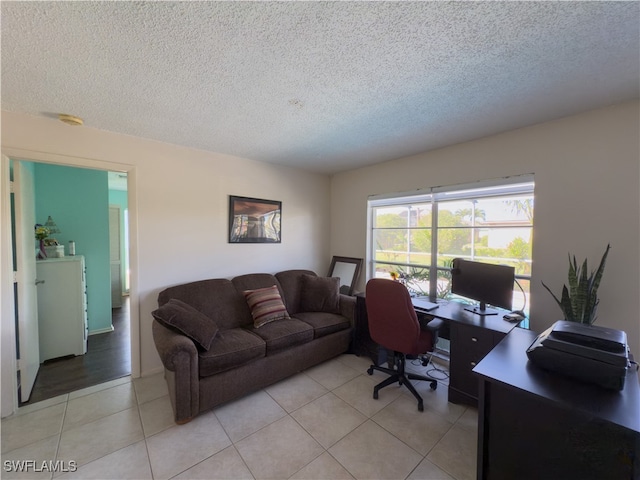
x=434, y=325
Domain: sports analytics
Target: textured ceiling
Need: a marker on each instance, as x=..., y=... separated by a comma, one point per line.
x=325, y=86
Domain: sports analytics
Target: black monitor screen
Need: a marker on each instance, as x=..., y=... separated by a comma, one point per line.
x=484, y=282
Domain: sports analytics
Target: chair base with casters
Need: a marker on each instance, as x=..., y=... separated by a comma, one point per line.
x=402, y=377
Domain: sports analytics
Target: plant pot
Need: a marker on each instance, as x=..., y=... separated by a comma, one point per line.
x=54, y=251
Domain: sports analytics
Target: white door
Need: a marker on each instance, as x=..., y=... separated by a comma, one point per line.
x=115, y=254
x=27, y=304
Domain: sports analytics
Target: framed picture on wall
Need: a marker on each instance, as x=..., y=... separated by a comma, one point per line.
x=253, y=220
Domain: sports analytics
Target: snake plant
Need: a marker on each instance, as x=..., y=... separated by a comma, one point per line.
x=579, y=301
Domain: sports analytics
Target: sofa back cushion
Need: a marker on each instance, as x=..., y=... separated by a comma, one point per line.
x=253, y=281
x=290, y=281
x=217, y=298
x=320, y=294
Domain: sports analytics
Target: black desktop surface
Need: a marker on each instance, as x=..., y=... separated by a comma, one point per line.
x=534, y=424
x=508, y=364
x=455, y=311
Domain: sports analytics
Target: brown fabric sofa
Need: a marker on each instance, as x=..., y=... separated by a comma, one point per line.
x=241, y=358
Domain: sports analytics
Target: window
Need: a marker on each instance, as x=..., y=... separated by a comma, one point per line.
x=415, y=237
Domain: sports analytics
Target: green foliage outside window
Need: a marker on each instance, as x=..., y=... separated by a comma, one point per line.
x=402, y=238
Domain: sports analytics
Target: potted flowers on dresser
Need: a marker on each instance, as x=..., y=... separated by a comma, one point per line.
x=48, y=247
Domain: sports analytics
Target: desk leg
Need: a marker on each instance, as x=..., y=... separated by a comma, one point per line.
x=483, y=427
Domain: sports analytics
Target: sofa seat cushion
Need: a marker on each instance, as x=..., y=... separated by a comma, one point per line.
x=324, y=323
x=230, y=348
x=284, y=334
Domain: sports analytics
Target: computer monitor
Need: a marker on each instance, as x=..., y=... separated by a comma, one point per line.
x=484, y=282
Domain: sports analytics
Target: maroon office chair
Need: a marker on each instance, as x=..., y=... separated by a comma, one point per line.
x=393, y=324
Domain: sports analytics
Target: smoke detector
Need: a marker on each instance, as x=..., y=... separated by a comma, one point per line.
x=70, y=119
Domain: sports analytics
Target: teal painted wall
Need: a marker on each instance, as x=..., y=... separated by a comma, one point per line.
x=119, y=197
x=78, y=201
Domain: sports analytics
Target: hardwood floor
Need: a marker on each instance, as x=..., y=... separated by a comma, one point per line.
x=108, y=357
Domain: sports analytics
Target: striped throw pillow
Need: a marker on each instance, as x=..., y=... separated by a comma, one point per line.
x=266, y=305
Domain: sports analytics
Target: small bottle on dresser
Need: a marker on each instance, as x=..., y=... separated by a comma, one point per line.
x=72, y=248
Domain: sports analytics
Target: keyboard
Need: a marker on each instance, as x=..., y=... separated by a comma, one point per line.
x=423, y=305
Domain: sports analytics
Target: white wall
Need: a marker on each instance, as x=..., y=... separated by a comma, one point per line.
x=587, y=170
x=182, y=208
x=587, y=174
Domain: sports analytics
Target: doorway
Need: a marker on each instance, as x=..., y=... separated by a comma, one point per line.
x=112, y=352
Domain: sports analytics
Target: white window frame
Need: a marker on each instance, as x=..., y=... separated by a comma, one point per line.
x=513, y=185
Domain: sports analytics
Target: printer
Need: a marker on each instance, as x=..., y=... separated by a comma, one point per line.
x=587, y=353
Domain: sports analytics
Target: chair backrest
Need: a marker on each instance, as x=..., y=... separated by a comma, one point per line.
x=393, y=322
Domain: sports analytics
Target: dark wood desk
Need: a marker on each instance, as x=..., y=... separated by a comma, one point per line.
x=534, y=424
x=472, y=336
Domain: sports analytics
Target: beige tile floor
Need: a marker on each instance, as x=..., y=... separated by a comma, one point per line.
x=320, y=424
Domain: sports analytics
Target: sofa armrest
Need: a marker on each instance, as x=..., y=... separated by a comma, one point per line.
x=348, y=308
x=180, y=357
x=170, y=344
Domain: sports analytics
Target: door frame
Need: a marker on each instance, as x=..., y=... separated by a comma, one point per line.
x=8, y=384
x=120, y=262
x=8, y=364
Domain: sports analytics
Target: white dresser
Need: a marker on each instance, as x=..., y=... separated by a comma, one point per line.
x=62, y=307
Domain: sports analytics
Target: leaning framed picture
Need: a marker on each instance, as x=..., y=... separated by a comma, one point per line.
x=253, y=220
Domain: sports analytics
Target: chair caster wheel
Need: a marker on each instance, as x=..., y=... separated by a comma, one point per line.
x=375, y=395
x=433, y=385
x=420, y=407
x=370, y=371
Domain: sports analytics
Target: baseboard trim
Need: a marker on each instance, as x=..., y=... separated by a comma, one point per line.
x=152, y=371
x=102, y=330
